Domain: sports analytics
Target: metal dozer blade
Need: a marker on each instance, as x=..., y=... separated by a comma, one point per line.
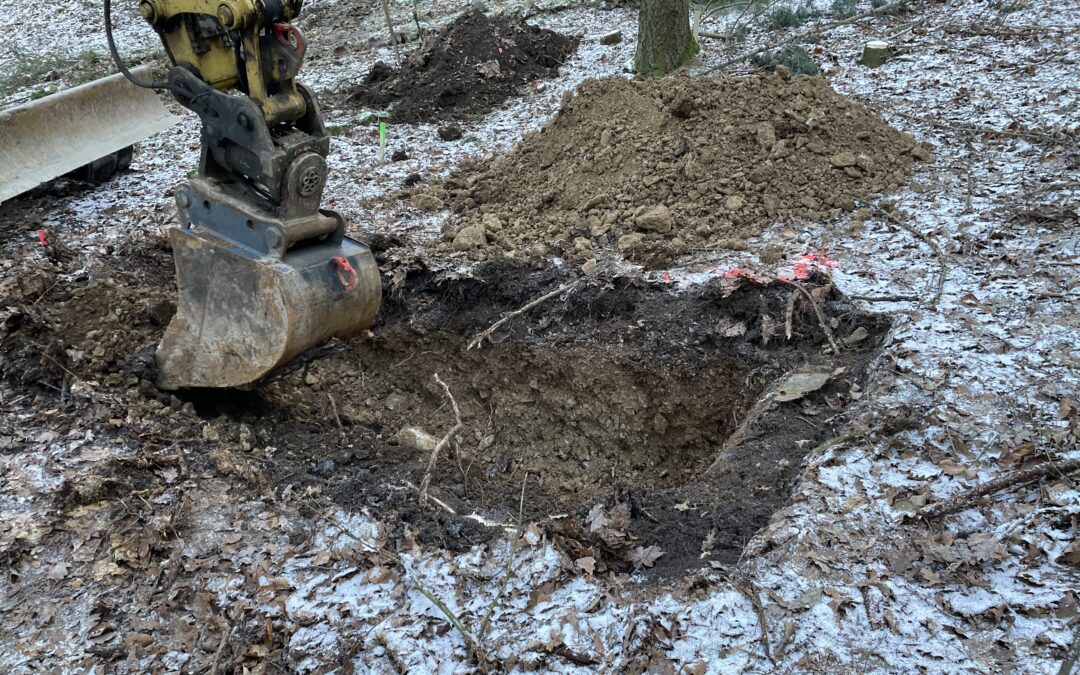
x=74, y=128
x=263, y=273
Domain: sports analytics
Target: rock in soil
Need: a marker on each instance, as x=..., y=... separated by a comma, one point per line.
x=656, y=168
x=472, y=66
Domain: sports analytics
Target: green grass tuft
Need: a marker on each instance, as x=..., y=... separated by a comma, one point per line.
x=794, y=58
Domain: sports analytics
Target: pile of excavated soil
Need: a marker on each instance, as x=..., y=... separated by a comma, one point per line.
x=656, y=169
x=472, y=66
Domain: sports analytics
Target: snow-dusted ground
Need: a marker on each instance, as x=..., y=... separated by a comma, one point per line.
x=844, y=579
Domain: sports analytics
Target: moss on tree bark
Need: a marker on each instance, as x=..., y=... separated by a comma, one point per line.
x=665, y=40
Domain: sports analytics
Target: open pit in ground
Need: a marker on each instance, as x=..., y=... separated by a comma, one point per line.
x=625, y=409
x=656, y=170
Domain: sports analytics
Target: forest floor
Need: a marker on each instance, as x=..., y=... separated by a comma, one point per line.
x=784, y=319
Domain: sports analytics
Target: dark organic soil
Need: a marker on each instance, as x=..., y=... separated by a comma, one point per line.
x=620, y=394
x=472, y=66
x=659, y=168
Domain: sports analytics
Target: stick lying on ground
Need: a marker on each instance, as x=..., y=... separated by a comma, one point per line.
x=943, y=265
x=961, y=501
x=479, y=339
x=442, y=443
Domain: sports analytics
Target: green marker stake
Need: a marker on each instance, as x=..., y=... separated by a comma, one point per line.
x=382, y=142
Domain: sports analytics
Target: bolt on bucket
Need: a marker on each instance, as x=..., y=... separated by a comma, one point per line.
x=241, y=315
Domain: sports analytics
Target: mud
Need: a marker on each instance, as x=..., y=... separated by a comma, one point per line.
x=658, y=169
x=469, y=68
x=619, y=395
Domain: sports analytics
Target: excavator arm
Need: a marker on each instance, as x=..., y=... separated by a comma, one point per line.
x=263, y=272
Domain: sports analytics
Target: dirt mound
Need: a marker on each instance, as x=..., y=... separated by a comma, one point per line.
x=656, y=169
x=472, y=66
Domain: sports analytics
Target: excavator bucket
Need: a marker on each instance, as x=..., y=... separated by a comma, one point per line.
x=241, y=314
x=57, y=134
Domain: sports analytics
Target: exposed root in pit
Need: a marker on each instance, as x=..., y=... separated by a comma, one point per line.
x=643, y=416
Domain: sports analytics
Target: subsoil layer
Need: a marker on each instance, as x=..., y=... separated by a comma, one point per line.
x=613, y=406
x=660, y=168
x=470, y=67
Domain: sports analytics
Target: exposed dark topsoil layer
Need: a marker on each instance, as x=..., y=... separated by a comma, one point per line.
x=657, y=169
x=621, y=405
x=469, y=68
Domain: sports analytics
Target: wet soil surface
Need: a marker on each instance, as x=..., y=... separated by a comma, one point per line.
x=658, y=169
x=627, y=413
x=467, y=69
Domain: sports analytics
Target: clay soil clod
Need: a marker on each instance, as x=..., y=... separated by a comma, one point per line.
x=467, y=69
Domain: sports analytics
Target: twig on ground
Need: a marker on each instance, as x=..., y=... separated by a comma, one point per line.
x=739, y=435
x=943, y=265
x=337, y=418
x=963, y=500
x=216, y=663
x=820, y=317
x=990, y=131
x=746, y=587
x=438, y=502
x=508, y=573
x=389, y=22
x=453, y=618
x=441, y=445
x=1071, y=656
x=789, y=315
x=900, y=297
x=816, y=30
x=479, y=339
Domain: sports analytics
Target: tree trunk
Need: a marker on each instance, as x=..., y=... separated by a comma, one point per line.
x=665, y=41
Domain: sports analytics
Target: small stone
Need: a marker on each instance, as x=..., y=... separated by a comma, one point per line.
x=417, y=438
x=612, y=38
x=766, y=135
x=470, y=237
x=450, y=132
x=660, y=424
x=817, y=147
x=491, y=222
x=426, y=202
x=734, y=203
x=843, y=159
x=629, y=242
x=605, y=137
x=589, y=266
x=323, y=468
x=771, y=255
x=810, y=202
x=780, y=150
x=582, y=245
x=759, y=175
x=864, y=163
x=655, y=219
x=921, y=153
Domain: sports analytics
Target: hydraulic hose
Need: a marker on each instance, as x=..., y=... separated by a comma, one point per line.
x=122, y=67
